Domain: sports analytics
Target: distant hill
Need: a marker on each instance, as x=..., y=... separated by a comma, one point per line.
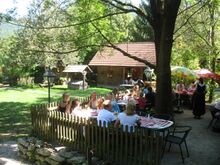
x=7, y=29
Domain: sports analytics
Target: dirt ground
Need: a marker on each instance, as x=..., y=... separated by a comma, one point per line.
x=203, y=144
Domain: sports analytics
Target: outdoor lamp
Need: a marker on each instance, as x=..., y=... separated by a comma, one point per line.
x=50, y=78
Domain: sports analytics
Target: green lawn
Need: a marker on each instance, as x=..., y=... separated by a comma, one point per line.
x=15, y=105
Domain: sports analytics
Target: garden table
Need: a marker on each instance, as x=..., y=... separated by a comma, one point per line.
x=155, y=123
x=127, y=86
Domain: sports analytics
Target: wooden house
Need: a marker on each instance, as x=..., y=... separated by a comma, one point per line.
x=112, y=67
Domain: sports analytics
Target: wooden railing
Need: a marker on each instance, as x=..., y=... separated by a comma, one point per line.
x=138, y=147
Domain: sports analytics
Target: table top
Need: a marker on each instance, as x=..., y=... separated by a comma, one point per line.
x=126, y=85
x=184, y=92
x=155, y=123
x=121, y=102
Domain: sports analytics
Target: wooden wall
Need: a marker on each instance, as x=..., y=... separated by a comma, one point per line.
x=109, y=76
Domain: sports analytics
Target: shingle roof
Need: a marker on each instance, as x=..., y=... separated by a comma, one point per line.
x=76, y=68
x=111, y=57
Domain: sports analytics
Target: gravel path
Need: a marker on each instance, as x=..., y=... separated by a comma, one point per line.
x=9, y=153
x=203, y=143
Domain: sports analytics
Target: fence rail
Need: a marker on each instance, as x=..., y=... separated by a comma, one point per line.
x=139, y=147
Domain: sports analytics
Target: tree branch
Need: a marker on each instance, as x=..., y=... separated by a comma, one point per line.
x=121, y=6
x=122, y=51
x=177, y=36
x=71, y=25
x=190, y=7
x=199, y=35
x=64, y=52
x=187, y=20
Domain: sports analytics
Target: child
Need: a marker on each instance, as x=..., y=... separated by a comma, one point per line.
x=64, y=105
x=75, y=105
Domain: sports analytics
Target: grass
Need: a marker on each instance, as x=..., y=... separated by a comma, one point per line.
x=15, y=106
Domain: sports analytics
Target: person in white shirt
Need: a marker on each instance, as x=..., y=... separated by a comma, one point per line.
x=217, y=106
x=180, y=87
x=128, y=118
x=106, y=115
x=127, y=96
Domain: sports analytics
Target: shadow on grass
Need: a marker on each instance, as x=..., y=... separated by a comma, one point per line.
x=15, y=118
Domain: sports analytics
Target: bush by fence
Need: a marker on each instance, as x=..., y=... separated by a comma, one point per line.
x=142, y=146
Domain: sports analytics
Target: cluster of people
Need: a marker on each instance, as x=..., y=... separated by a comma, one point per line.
x=133, y=81
x=144, y=97
x=68, y=106
x=181, y=88
x=196, y=91
x=107, y=108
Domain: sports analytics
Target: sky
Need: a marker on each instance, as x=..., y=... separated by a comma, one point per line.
x=21, y=5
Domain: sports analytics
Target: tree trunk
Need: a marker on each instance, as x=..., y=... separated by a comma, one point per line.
x=212, y=52
x=164, y=16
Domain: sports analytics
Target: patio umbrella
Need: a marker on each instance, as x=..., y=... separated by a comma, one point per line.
x=205, y=73
x=183, y=72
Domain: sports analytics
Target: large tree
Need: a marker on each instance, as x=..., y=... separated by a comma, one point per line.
x=161, y=15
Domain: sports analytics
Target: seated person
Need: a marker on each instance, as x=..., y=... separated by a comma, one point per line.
x=217, y=106
x=145, y=90
x=126, y=96
x=192, y=88
x=128, y=80
x=64, y=105
x=115, y=106
x=100, y=103
x=106, y=115
x=180, y=87
x=93, y=101
x=128, y=118
x=136, y=91
x=141, y=103
x=75, y=106
x=150, y=97
x=135, y=80
x=116, y=94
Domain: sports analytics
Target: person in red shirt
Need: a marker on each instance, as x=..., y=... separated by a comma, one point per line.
x=141, y=103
